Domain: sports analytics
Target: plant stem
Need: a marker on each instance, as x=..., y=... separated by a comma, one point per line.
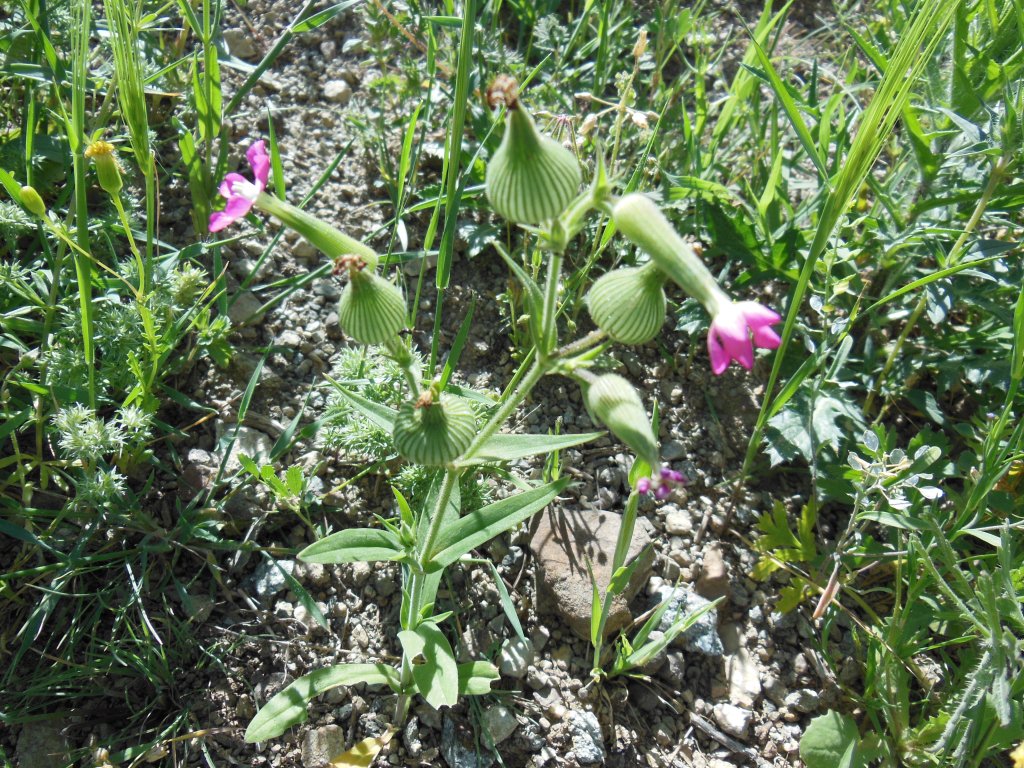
x=537, y=370
x=548, y=333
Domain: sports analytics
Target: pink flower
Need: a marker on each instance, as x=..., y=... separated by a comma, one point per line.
x=661, y=483
x=731, y=329
x=239, y=191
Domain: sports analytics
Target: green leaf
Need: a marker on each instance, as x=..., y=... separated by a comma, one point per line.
x=832, y=741
x=375, y=413
x=484, y=524
x=354, y=545
x=249, y=465
x=288, y=707
x=433, y=664
x=506, y=447
x=475, y=677
x=293, y=480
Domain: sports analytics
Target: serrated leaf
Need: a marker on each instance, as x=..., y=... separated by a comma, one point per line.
x=288, y=707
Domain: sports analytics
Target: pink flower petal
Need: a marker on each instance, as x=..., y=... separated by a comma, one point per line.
x=758, y=315
x=236, y=208
x=227, y=186
x=719, y=358
x=766, y=337
x=259, y=161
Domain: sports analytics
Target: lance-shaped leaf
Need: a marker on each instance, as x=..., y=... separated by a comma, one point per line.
x=484, y=524
x=354, y=545
x=288, y=707
x=509, y=447
x=433, y=664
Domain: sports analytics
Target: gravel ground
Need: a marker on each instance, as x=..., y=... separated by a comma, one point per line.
x=735, y=692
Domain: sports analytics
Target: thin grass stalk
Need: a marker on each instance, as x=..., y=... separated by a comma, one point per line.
x=81, y=21
x=912, y=55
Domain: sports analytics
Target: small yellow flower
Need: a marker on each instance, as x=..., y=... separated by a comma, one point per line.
x=1018, y=756
x=108, y=170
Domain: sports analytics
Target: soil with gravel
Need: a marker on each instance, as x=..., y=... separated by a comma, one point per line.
x=737, y=695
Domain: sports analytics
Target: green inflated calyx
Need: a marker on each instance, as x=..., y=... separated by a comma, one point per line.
x=531, y=178
x=616, y=403
x=629, y=304
x=435, y=429
x=640, y=219
x=371, y=309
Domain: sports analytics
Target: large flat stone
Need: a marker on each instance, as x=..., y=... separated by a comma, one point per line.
x=563, y=542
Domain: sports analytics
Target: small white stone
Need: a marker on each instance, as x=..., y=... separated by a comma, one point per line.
x=734, y=720
x=337, y=91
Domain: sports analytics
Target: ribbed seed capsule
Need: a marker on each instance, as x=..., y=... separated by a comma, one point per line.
x=531, y=178
x=615, y=402
x=434, y=433
x=371, y=309
x=629, y=304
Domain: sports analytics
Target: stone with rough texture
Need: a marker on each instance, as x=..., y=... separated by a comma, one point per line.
x=702, y=636
x=805, y=700
x=499, y=722
x=741, y=669
x=267, y=580
x=337, y=91
x=714, y=575
x=459, y=750
x=733, y=720
x=251, y=442
x=562, y=543
x=587, y=741
x=240, y=43
x=321, y=745
x=41, y=745
x=516, y=657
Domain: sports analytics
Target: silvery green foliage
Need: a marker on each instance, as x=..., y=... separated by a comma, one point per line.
x=96, y=445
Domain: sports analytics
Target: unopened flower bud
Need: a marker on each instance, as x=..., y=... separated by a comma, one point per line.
x=640, y=219
x=641, y=45
x=33, y=202
x=108, y=170
x=616, y=403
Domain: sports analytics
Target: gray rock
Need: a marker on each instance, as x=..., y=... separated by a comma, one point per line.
x=267, y=580
x=239, y=42
x=674, y=670
x=678, y=522
x=338, y=91
x=41, y=745
x=458, y=749
x=714, y=576
x=499, y=722
x=251, y=442
x=360, y=639
x=244, y=308
x=744, y=677
x=563, y=542
x=702, y=637
x=321, y=745
x=516, y=657
x=587, y=741
x=804, y=700
x=734, y=720
x=411, y=737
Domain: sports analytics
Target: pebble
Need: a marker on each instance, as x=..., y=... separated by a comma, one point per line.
x=702, y=637
x=714, y=576
x=499, y=722
x=678, y=523
x=338, y=91
x=673, y=671
x=459, y=750
x=587, y=741
x=239, y=42
x=267, y=580
x=516, y=657
x=41, y=745
x=733, y=720
x=321, y=745
x=804, y=700
x=360, y=639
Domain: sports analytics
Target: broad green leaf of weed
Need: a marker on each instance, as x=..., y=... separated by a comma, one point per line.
x=832, y=741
